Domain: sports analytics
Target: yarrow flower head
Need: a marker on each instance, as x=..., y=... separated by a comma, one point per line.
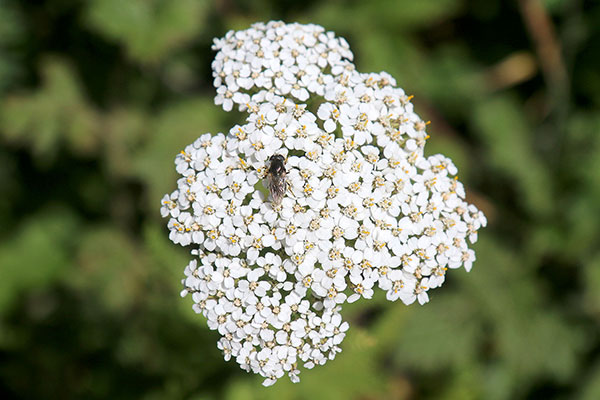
x=358, y=208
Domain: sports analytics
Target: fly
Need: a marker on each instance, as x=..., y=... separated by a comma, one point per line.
x=276, y=178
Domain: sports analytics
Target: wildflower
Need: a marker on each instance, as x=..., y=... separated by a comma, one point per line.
x=363, y=207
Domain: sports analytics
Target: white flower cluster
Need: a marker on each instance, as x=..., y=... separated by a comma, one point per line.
x=363, y=207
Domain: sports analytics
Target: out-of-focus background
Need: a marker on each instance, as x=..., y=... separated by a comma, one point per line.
x=96, y=99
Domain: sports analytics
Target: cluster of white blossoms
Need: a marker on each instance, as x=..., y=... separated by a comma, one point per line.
x=363, y=208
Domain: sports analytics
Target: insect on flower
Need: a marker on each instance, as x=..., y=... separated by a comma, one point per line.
x=276, y=181
x=346, y=195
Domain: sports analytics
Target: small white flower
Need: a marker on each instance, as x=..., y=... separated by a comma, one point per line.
x=363, y=207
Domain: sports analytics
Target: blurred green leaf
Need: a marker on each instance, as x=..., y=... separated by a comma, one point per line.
x=10, y=188
x=125, y=130
x=464, y=384
x=591, y=279
x=149, y=29
x=510, y=301
x=385, y=15
x=590, y=390
x=56, y=113
x=440, y=335
x=11, y=38
x=509, y=144
x=112, y=267
x=451, y=80
x=37, y=255
x=582, y=175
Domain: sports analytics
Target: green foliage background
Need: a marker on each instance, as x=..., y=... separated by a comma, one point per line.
x=96, y=99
